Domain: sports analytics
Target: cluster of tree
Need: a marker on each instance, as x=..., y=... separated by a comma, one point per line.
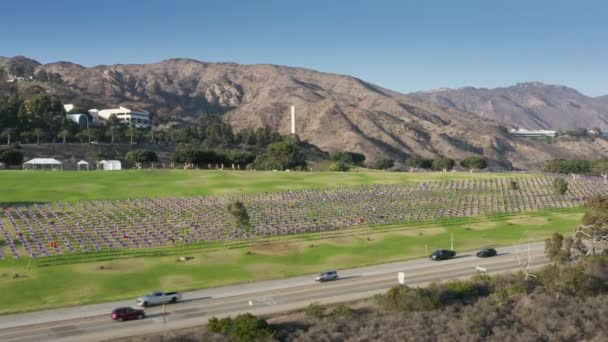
x=343, y=161
x=474, y=163
x=590, y=238
x=282, y=155
x=577, y=166
x=11, y=157
x=36, y=119
x=212, y=132
x=242, y=328
x=141, y=157
x=438, y=164
x=579, y=132
x=41, y=118
x=203, y=158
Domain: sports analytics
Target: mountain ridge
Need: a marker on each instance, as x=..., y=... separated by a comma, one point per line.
x=335, y=112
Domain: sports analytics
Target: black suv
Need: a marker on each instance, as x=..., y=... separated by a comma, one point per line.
x=443, y=254
x=486, y=253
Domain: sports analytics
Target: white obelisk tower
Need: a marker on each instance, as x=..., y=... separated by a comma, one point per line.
x=293, y=119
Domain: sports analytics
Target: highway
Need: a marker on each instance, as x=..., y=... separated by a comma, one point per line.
x=93, y=323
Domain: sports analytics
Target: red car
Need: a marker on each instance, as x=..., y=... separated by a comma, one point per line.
x=126, y=313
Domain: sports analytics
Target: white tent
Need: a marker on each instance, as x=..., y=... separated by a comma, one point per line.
x=109, y=165
x=82, y=164
x=43, y=164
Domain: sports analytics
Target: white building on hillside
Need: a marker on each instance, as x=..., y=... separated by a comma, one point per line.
x=522, y=132
x=68, y=107
x=81, y=119
x=135, y=118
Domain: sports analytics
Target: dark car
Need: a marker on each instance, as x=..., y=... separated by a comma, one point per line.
x=126, y=313
x=327, y=276
x=443, y=254
x=486, y=253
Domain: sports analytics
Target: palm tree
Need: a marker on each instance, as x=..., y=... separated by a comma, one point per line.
x=113, y=131
x=39, y=132
x=89, y=133
x=131, y=130
x=64, y=133
x=8, y=133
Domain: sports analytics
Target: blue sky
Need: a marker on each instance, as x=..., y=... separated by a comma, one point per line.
x=401, y=45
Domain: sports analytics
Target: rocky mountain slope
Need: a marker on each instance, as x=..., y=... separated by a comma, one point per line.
x=530, y=105
x=334, y=112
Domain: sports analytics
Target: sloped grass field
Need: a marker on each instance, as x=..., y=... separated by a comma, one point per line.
x=26, y=187
x=37, y=287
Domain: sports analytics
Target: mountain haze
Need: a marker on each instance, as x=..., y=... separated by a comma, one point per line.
x=334, y=112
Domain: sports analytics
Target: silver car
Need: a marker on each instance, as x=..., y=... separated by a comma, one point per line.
x=327, y=276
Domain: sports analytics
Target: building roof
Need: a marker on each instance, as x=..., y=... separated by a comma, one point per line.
x=43, y=161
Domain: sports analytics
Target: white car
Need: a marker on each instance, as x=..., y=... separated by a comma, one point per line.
x=159, y=297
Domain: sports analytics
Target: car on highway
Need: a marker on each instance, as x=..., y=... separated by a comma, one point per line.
x=486, y=253
x=443, y=254
x=159, y=297
x=127, y=313
x=327, y=276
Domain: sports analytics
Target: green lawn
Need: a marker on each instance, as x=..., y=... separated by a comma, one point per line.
x=45, y=287
x=31, y=187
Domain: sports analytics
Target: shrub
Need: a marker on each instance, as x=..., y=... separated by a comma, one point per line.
x=443, y=163
x=405, y=298
x=383, y=164
x=11, y=157
x=513, y=185
x=339, y=166
x=239, y=213
x=474, y=162
x=419, y=163
x=342, y=311
x=243, y=328
x=315, y=310
x=560, y=186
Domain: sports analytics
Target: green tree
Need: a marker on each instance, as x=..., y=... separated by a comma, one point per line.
x=243, y=328
x=339, y=166
x=141, y=156
x=383, y=164
x=281, y=155
x=7, y=134
x=419, y=163
x=558, y=248
x=63, y=134
x=239, y=214
x=474, y=163
x=443, y=163
x=11, y=157
x=91, y=134
x=560, y=186
x=39, y=132
x=132, y=132
x=349, y=158
x=43, y=111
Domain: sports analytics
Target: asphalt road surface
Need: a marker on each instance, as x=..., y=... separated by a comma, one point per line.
x=93, y=322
